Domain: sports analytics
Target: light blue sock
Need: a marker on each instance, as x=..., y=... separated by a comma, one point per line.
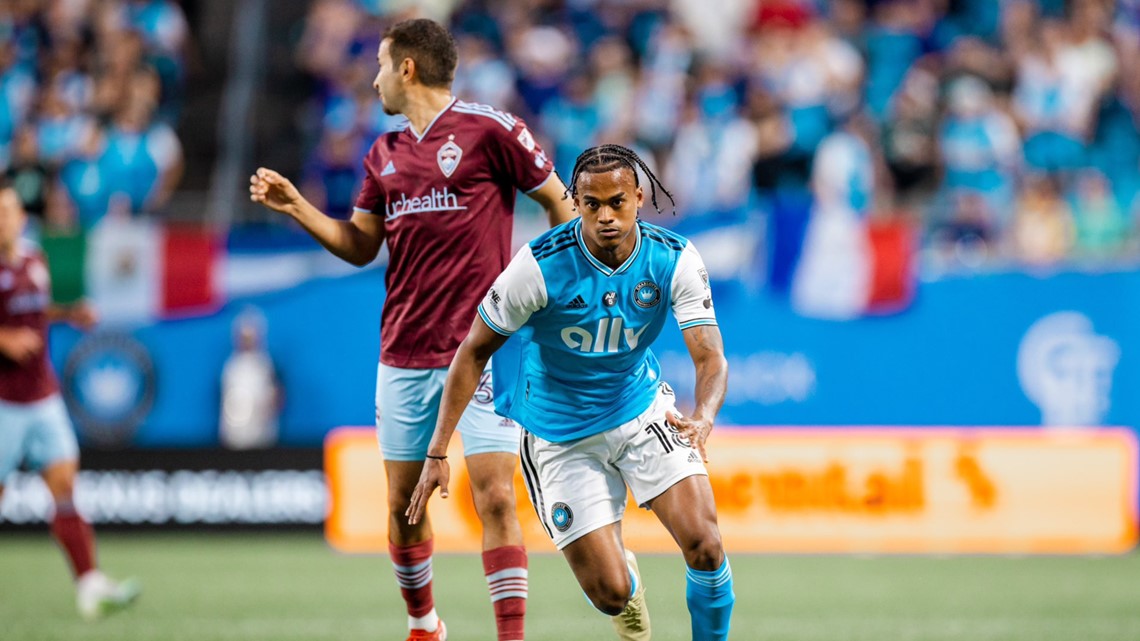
x=632, y=590
x=710, y=599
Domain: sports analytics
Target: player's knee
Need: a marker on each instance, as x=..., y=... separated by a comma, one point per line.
x=398, y=501
x=705, y=553
x=610, y=597
x=61, y=486
x=495, y=503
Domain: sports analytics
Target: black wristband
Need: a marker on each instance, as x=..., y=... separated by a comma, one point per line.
x=437, y=458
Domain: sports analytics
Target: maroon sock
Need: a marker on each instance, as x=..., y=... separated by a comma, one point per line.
x=75, y=537
x=505, y=568
x=413, y=572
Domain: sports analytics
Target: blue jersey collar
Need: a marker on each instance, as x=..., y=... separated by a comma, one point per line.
x=599, y=265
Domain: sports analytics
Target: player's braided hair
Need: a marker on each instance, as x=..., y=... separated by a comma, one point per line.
x=603, y=158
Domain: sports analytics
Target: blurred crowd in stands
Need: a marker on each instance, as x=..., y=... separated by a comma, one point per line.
x=1002, y=132
x=90, y=92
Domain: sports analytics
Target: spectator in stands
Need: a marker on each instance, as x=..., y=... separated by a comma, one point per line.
x=29, y=175
x=143, y=157
x=909, y=136
x=60, y=125
x=611, y=65
x=1101, y=227
x=661, y=92
x=1042, y=233
x=572, y=120
x=893, y=43
x=709, y=168
x=1028, y=84
x=1060, y=82
x=17, y=91
x=979, y=146
x=164, y=31
x=85, y=181
x=335, y=174
x=482, y=76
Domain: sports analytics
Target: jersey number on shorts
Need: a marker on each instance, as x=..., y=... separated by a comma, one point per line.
x=484, y=394
x=668, y=436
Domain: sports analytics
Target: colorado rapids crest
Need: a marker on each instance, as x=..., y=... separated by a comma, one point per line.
x=449, y=156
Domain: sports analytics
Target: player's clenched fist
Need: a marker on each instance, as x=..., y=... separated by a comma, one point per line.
x=273, y=190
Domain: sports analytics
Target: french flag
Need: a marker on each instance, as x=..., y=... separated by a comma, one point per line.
x=851, y=266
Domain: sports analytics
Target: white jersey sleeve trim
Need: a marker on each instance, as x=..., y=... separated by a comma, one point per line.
x=541, y=184
x=518, y=292
x=692, y=296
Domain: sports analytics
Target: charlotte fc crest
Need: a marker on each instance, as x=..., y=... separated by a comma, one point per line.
x=449, y=156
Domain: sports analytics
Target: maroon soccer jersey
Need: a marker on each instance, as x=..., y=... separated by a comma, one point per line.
x=447, y=197
x=25, y=293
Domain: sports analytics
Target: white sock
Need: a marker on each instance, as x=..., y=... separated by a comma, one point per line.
x=89, y=578
x=429, y=622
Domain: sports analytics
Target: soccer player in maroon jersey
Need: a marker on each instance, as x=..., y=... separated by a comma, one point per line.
x=34, y=427
x=441, y=192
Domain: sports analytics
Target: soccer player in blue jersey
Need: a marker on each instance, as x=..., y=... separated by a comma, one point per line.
x=588, y=298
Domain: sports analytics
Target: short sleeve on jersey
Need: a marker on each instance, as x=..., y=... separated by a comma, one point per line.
x=522, y=158
x=370, y=200
x=692, y=296
x=518, y=292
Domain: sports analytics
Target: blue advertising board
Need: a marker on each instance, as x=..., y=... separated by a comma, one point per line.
x=1000, y=349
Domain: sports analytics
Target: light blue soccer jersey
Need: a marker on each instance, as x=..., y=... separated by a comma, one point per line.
x=586, y=366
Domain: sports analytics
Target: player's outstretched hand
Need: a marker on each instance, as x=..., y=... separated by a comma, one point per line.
x=21, y=344
x=83, y=316
x=696, y=431
x=436, y=473
x=273, y=190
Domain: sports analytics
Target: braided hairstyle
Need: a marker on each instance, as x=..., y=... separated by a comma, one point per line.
x=603, y=158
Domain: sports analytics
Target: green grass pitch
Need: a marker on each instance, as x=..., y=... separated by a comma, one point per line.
x=293, y=587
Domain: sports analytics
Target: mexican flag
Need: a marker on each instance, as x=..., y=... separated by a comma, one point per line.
x=135, y=271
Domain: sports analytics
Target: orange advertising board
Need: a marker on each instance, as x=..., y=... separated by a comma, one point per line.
x=828, y=490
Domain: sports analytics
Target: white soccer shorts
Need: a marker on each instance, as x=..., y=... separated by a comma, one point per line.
x=407, y=406
x=580, y=486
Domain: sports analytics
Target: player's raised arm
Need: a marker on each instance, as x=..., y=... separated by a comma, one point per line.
x=80, y=314
x=462, y=379
x=356, y=241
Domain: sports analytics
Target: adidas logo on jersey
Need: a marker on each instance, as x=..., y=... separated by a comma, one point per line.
x=389, y=169
x=577, y=303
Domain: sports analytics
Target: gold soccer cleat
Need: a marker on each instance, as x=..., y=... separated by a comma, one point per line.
x=633, y=622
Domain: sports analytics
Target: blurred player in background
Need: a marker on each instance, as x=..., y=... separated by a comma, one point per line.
x=441, y=192
x=34, y=427
x=251, y=390
x=591, y=296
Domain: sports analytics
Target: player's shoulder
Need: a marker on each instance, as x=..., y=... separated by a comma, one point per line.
x=386, y=141
x=485, y=116
x=555, y=240
x=661, y=236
